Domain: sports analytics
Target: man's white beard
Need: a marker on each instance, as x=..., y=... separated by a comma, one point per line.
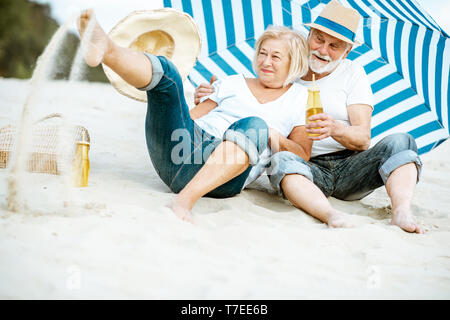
x=317, y=67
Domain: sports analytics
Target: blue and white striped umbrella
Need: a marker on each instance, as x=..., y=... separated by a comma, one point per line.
x=404, y=52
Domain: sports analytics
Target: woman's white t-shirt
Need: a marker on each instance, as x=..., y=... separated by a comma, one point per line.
x=348, y=84
x=236, y=101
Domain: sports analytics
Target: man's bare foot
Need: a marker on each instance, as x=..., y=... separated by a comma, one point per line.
x=403, y=218
x=338, y=219
x=181, y=211
x=95, y=42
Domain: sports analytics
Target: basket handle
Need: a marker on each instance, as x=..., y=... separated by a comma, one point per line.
x=51, y=115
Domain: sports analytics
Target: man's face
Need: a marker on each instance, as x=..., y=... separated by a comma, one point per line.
x=326, y=51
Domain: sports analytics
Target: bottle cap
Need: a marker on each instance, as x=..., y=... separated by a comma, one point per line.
x=83, y=140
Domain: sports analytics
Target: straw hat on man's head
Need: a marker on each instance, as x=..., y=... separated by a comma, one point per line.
x=166, y=32
x=338, y=21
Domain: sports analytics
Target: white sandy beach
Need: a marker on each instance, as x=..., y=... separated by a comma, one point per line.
x=116, y=239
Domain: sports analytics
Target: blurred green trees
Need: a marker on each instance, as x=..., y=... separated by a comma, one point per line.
x=25, y=30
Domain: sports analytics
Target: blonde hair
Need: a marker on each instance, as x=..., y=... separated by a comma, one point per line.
x=298, y=50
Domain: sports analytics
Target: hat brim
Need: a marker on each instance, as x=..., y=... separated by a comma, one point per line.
x=332, y=33
x=178, y=25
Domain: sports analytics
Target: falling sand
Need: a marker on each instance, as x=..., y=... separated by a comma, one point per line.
x=45, y=69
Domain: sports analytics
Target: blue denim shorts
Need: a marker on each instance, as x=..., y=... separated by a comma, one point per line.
x=347, y=174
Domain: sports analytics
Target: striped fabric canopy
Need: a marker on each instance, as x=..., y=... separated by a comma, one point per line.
x=404, y=52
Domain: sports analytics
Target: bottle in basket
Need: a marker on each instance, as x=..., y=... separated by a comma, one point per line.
x=313, y=106
x=80, y=165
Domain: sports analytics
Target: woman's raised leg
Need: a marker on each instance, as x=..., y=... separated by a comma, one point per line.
x=134, y=67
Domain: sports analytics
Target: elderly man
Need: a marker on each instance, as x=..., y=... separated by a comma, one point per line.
x=341, y=163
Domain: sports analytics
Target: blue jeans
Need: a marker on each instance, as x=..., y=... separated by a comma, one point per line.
x=179, y=148
x=349, y=175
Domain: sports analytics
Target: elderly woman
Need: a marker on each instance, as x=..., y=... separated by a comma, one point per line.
x=228, y=134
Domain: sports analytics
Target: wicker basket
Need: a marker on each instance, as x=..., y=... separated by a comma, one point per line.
x=43, y=155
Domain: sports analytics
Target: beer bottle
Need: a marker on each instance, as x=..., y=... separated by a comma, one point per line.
x=80, y=165
x=313, y=106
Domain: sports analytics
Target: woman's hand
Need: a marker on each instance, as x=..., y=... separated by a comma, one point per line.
x=203, y=90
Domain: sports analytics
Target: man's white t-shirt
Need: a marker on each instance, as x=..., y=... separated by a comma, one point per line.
x=236, y=101
x=348, y=84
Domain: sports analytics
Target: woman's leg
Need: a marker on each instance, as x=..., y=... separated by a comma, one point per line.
x=243, y=142
x=226, y=162
x=131, y=65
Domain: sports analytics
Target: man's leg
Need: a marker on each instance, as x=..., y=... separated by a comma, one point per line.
x=306, y=196
x=292, y=175
x=134, y=67
x=400, y=187
x=394, y=162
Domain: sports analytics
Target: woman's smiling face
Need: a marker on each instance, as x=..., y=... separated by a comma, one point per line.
x=273, y=62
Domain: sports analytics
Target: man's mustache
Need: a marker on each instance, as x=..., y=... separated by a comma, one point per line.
x=317, y=54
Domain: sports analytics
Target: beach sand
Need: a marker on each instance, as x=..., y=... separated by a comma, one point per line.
x=116, y=239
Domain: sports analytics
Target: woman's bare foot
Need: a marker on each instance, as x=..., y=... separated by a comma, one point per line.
x=338, y=219
x=181, y=210
x=94, y=40
x=402, y=217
